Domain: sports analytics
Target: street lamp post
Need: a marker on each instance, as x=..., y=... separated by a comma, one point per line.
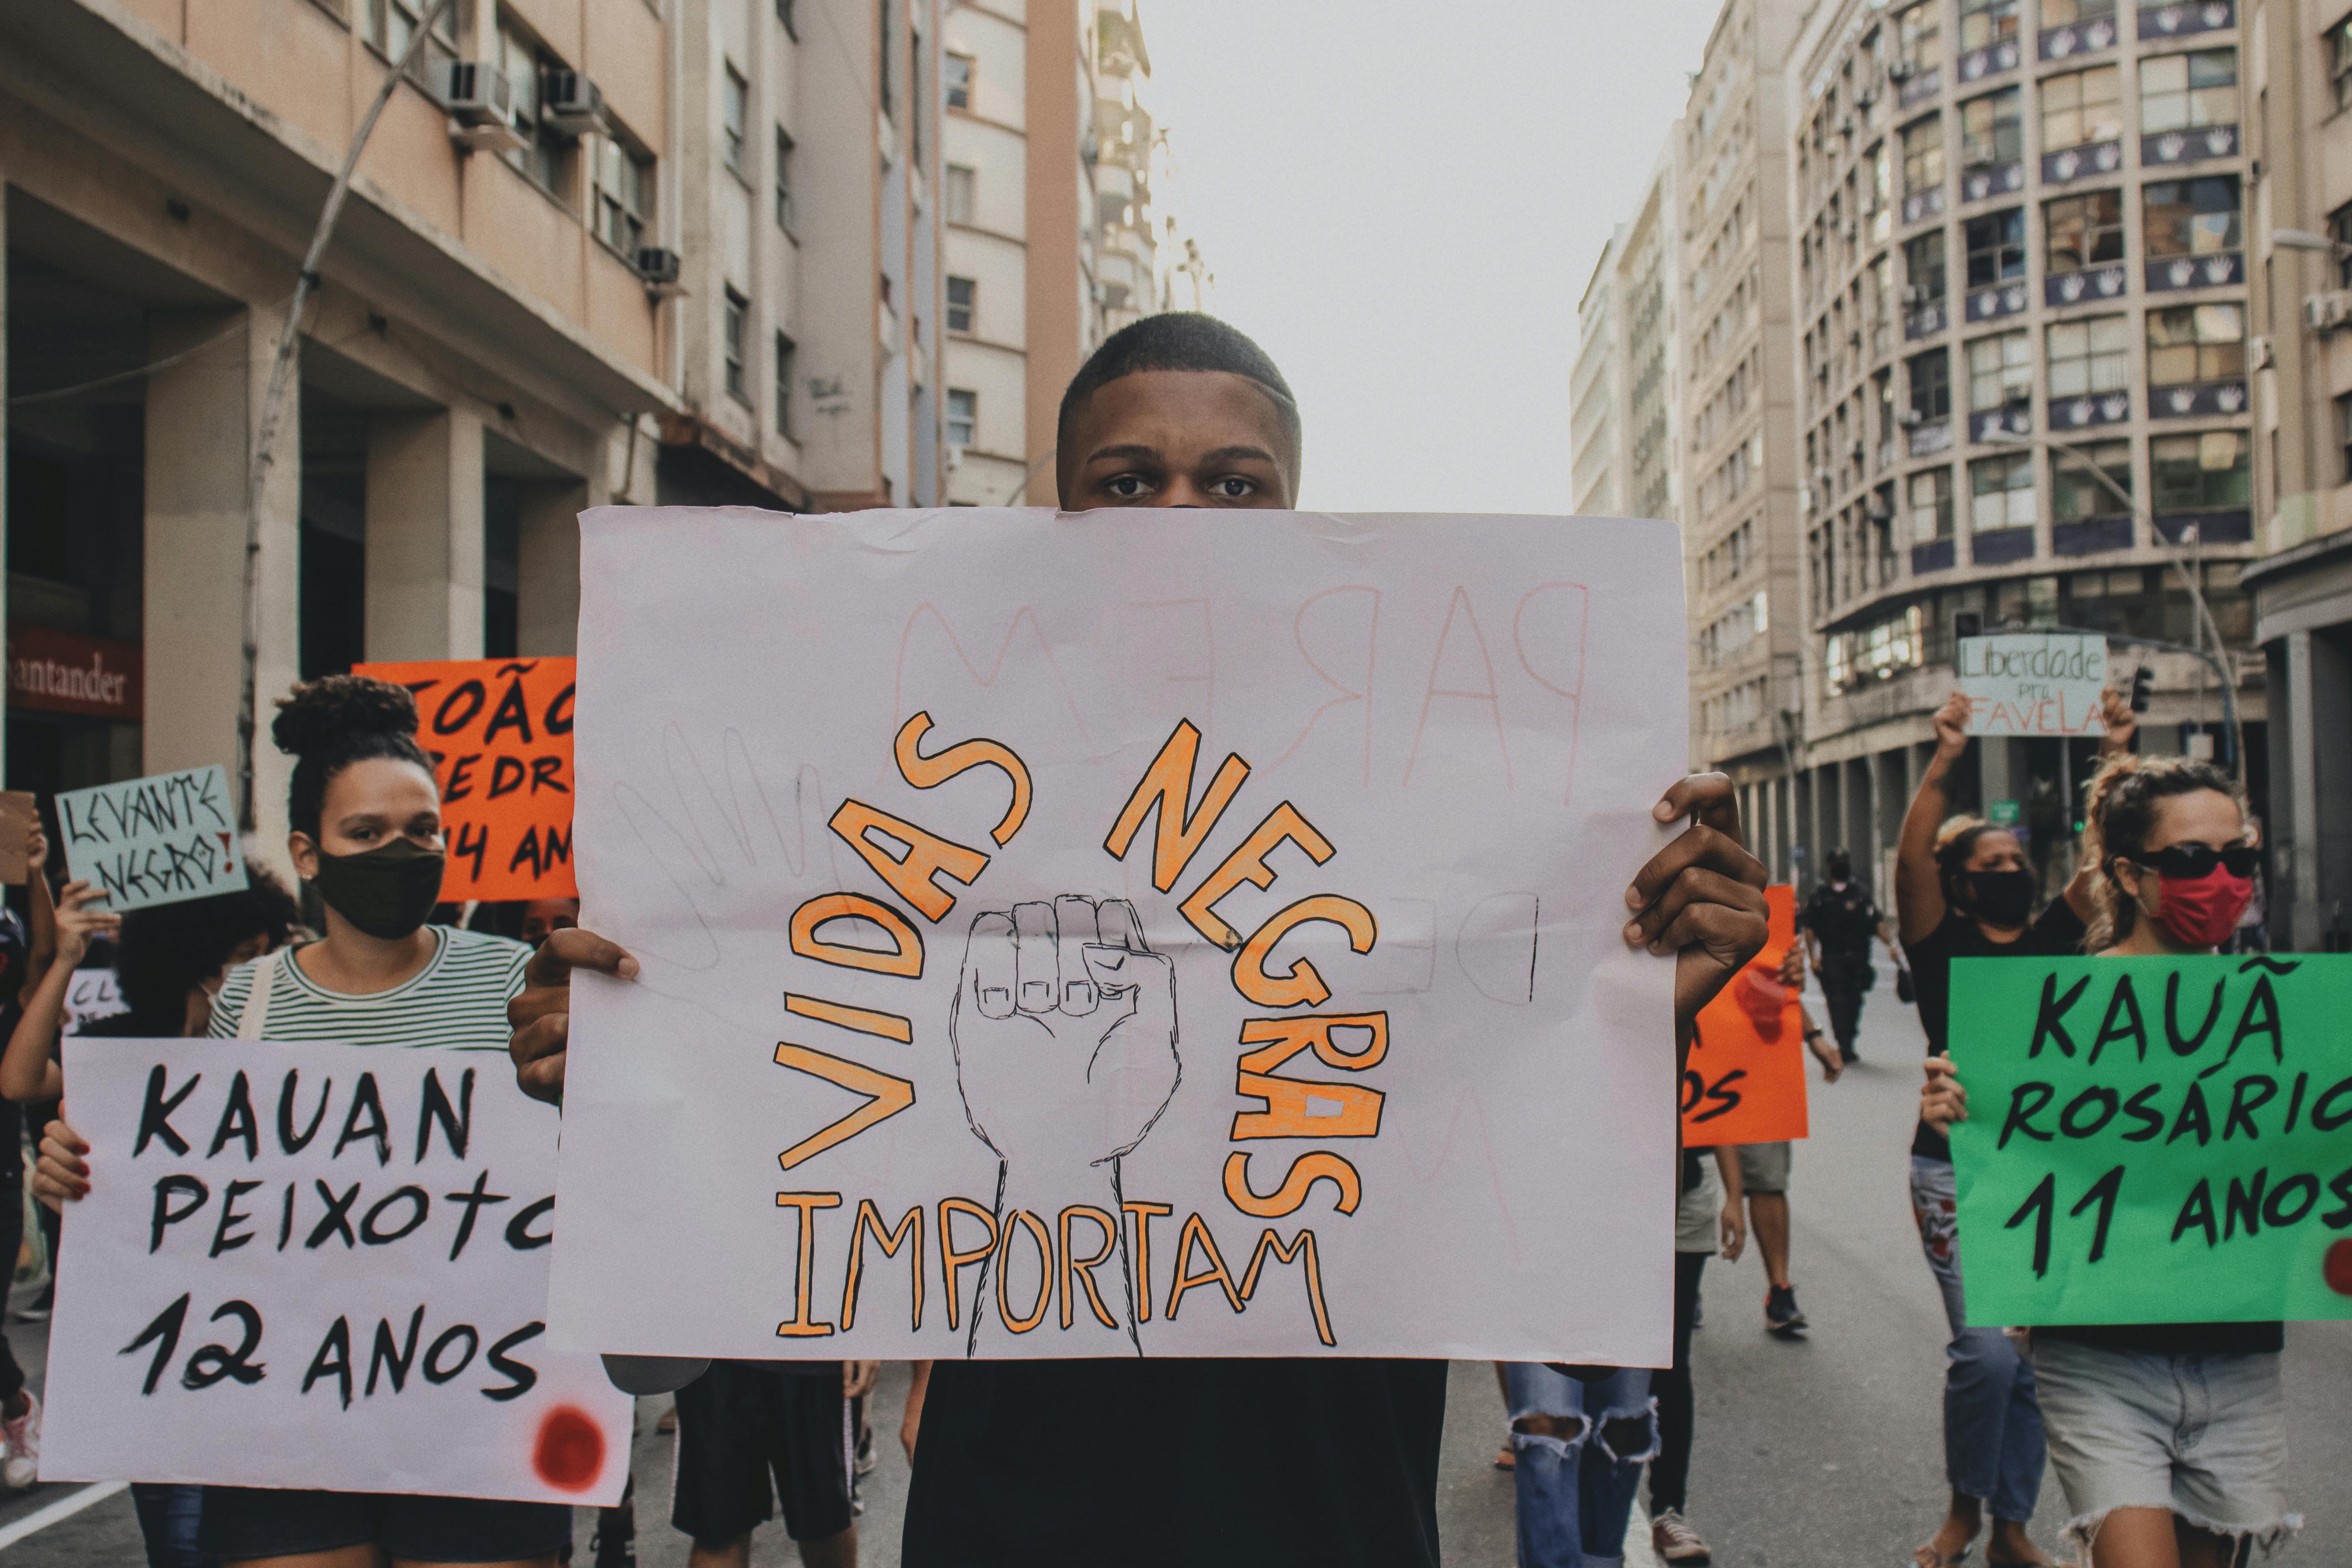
x=2190, y=574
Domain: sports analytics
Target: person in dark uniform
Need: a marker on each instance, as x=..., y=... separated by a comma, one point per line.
x=1838, y=921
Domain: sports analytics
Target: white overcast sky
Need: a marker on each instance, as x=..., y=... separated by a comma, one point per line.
x=1403, y=203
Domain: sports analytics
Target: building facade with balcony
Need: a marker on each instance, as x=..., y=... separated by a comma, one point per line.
x=1737, y=429
x=2021, y=295
x=2300, y=77
x=597, y=251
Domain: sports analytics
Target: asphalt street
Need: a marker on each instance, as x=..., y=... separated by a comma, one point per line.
x=1820, y=1453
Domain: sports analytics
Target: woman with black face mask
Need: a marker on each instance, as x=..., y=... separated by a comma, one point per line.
x=366, y=820
x=1964, y=889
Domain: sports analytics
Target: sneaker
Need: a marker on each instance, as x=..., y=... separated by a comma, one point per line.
x=1781, y=1314
x=865, y=1459
x=37, y=1310
x=1673, y=1539
x=22, y=1434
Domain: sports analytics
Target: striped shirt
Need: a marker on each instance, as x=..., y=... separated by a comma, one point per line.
x=459, y=999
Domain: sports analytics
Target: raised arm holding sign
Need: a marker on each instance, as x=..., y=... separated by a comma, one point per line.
x=2161, y=1174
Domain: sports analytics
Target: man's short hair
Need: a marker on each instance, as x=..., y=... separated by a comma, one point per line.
x=1176, y=340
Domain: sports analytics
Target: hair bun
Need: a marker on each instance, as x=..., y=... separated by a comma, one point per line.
x=319, y=711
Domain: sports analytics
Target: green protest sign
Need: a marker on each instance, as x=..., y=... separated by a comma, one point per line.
x=2155, y=1140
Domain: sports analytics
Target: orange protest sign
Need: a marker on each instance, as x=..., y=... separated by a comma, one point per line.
x=1746, y=1080
x=500, y=733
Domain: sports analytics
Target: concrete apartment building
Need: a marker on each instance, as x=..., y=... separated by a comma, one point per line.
x=1057, y=232
x=2019, y=265
x=597, y=250
x=2299, y=79
x=1738, y=434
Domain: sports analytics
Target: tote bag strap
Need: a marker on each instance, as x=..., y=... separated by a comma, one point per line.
x=254, y=1023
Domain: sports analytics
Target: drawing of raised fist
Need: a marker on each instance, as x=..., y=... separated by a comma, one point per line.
x=1065, y=1035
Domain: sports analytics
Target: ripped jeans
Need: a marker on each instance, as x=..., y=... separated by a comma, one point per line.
x=1576, y=1494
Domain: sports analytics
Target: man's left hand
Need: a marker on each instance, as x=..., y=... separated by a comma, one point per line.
x=1701, y=897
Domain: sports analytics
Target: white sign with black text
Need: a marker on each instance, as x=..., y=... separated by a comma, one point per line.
x=318, y=1266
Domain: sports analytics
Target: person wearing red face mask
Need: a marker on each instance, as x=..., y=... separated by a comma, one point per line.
x=2170, y=842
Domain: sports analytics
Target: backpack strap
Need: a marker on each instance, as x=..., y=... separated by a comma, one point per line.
x=253, y=1023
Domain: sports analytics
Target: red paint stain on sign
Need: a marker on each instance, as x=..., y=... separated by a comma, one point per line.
x=570, y=1452
x=2338, y=1267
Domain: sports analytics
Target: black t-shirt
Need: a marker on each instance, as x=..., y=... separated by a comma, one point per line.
x=2058, y=932
x=2176, y=1339
x=1842, y=920
x=1153, y=1463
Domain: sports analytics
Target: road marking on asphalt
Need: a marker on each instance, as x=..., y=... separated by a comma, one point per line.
x=64, y=1508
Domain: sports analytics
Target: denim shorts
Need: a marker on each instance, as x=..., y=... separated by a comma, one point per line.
x=241, y=1522
x=2202, y=1436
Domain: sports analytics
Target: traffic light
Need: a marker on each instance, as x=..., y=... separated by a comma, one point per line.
x=2140, y=683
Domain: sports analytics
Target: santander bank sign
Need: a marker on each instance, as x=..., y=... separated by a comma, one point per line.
x=63, y=672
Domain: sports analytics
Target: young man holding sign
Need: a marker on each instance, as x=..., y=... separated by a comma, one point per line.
x=2169, y=1438
x=1233, y=1462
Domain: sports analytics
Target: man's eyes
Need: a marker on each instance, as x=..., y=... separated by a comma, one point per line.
x=1233, y=486
x=1127, y=486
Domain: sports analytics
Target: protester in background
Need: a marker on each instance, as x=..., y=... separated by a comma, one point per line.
x=750, y=1433
x=1764, y=1175
x=1963, y=890
x=542, y=917
x=20, y=1407
x=366, y=821
x=1838, y=922
x=1709, y=1214
x=170, y=960
x=2169, y=1438
x=1275, y=1461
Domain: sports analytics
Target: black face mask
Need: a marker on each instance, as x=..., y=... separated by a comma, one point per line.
x=387, y=892
x=2003, y=898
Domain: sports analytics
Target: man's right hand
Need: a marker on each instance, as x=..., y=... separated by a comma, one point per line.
x=541, y=1013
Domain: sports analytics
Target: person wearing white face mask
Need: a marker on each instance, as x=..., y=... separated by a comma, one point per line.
x=2169, y=1438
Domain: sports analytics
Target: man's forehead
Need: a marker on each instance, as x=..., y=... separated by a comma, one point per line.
x=1195, y=403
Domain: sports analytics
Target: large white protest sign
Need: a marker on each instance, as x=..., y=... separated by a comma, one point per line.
x=1168, y=932
x=2033, y=683
x=153, y=841
x=318, y=1266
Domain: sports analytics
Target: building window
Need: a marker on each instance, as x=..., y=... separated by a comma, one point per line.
x=2339, y=228
x=2344, y=434
x=547, y=149
x=738, y=311
x=2076, y=494
x=2000, y=370
x=624, y=195
x=963, y=417
x=1931, y=386
x=915, y=99
x=1922, y=265
x=2196, y=343
x=963, y=304
x=735, y=112
x=884, y=57
x=2092, y=356
x=1996, y=245
x=2190, y=217
x=1985, y=22
x=1923, y=154
x=785, y=10
x=2182, y=92
x=959, y=188
x=2059, y=13
x=787, y=358
x=391, y=24
x=955, y=73
x=784, y=180
x=1923, y=37
x=2212, y=472
x=2340, y=61
x=2082, y=106
x=1876, y=653
x=1991, y=129
x=2084, y=231
x=2000, y=493
x=1931, y=505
